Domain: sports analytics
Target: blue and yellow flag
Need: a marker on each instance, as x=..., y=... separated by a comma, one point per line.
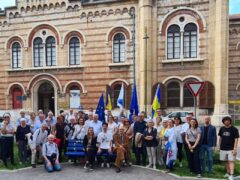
x=156, y=102
x=108, y=101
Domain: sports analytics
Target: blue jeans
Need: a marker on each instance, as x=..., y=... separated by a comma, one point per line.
x=203, y=150
x=53, y=166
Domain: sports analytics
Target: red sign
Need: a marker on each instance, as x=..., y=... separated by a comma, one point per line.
x=195, y=87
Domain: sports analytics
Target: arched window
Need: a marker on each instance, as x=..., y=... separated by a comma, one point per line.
x=16, y=55
x=115, y=93
x=50, y=51
x=173, y=42
x=190, y=41
x=188, y=99
x=74, y=51
x=16, y=98
x=119, y=48
x=74, y=99
x=173, y=94
x=38, y=52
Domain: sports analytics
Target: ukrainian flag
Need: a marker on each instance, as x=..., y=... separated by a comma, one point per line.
x=108, y=101
x=156, y=102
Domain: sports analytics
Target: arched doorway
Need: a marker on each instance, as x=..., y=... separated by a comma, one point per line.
x=46, y=97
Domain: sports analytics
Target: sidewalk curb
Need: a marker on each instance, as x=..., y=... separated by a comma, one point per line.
x=25, y=168
x=177, y=176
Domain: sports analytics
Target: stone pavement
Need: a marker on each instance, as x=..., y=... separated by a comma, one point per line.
x=77, y=172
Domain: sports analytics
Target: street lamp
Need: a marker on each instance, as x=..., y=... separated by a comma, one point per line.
x=145, y=67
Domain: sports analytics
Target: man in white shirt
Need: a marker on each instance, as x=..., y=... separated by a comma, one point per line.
x=40, y=120
x=96, y=125
x=69, y=115
x=105, y=144
x=185, y=127
x=51, y=155
x=51, y=118
x=38, y=139
x=22, y=115
x=90, y=119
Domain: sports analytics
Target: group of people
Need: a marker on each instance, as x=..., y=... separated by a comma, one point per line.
x=45, y=138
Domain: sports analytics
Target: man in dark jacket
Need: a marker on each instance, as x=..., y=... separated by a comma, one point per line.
x=208, y=142
x=21, y=140
x=139, y=127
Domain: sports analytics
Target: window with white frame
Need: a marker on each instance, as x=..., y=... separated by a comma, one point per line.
x=74, y=51
x=38, y=53
x=16, y=55
x=119, y=48
x=50, y=51
x=190, y=41
x=44, y=55
x=173, y=42
x=182, y=42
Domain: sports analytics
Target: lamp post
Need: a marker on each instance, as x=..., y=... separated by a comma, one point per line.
x=145, y=68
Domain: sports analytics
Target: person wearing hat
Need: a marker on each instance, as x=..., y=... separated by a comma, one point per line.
x=21, y=140
x=228, y=142
x=7, y=130
x=22, y=115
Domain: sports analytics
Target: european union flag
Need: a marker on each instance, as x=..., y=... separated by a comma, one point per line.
x=100, y=109
x=134, y=103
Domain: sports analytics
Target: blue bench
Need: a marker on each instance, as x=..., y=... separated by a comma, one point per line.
x=75, y=149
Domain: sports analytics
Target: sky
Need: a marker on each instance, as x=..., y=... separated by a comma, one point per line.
x=234, y=7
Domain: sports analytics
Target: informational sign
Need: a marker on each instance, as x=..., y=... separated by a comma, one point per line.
x=234, y=102
x=21, y=98
x=74, y=99
x=195, y=87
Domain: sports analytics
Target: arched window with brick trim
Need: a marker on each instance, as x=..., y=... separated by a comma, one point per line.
x=119, y=48
x=16, y=55
x=173, y=42
x=38, y=52
x=16, y=98
x=190, y=41
x=50, y=51
x=173, y=94
x=74, y=97
x=74, y=51
x=115, y=91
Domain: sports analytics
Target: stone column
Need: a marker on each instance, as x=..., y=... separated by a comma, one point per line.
x=220, y=59
x=145, y=53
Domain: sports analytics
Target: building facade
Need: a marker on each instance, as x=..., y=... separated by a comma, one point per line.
x=62, y=53
x=234, y=60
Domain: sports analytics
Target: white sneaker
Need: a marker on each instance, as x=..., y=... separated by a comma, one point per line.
x=231, y=177
x=154, y=167
x=108, y=165
x=148, y=166
x=102, y=165
x=180, y=165
x=226, y=175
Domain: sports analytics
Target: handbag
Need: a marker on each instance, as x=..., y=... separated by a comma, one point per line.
x=58, y=141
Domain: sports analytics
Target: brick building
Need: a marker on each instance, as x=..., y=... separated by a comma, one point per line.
x=52, y=50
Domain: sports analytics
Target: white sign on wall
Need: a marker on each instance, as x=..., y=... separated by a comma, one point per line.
x=74, y=99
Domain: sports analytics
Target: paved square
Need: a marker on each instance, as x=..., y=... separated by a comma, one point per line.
x=77, y=172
